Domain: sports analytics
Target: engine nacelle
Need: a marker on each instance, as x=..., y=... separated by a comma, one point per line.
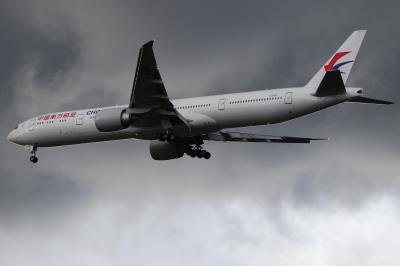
x=113, y=119
x=162, y=150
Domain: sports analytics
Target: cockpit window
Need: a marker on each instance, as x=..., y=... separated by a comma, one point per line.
x=16, y=127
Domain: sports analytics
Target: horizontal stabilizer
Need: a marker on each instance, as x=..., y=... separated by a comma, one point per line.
x=331, y=84
x=361, y=99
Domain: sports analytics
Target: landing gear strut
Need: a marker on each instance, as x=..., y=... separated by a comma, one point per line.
x=32, y=151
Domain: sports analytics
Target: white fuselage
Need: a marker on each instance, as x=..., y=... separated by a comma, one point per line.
x=204, y=115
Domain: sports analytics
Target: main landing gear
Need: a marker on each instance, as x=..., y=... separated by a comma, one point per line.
x=192, y=147
x=166, y=136
x=197, y=151
x=32, y=151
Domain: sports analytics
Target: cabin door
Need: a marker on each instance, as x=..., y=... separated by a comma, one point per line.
x=221, y=104
x=79, y=119
x=289, y=98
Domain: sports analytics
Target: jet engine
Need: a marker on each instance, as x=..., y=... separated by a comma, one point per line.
x=162, y=150
x=113, y=119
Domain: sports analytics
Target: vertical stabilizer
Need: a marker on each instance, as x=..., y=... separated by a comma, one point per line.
x=342, y=60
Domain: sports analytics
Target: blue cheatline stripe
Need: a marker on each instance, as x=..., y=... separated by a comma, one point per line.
x=336, y=67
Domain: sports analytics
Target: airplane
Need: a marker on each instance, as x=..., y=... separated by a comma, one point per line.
x=178, y=127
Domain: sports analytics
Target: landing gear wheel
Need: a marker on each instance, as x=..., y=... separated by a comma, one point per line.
x=166, y=136
x=203, y=153
x=163, y=136
x=170, y=137
x=33, y=159
x=191, y=153
x=32, y=151
x=199, y=154
x=197, y=151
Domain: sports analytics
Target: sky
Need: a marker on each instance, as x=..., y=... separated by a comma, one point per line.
x=326, y=203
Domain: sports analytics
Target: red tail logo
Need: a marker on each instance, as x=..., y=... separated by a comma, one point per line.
x=331, y=65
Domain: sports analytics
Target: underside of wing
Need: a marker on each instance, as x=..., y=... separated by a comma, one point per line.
x=149, y=100
x=148, y=89
x=249, y=137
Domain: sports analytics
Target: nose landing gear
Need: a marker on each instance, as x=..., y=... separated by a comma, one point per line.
x=32, y=151
x=33, y=159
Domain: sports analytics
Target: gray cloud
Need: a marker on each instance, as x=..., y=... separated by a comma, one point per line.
x=40, y=198
x=110, y=204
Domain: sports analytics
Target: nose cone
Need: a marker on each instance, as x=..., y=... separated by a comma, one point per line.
x=12, y=136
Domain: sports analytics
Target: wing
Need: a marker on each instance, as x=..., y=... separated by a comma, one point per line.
x=148, y=89
x=248, y=137
x=149, y=97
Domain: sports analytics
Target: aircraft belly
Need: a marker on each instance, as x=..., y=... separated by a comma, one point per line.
x=199, y=123
x=249, y=115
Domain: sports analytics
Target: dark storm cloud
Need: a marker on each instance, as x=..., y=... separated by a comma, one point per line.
x=59, y=55
x=27, y=197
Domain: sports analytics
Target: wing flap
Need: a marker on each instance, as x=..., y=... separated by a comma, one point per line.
x=249, y=137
